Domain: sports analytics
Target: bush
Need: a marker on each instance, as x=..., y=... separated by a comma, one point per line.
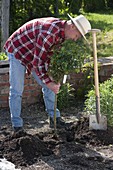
x=106, y=100
x=67, y=58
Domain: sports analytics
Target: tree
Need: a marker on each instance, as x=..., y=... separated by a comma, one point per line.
x=94, y=5
x=74, y=6
x=5, y=22
x=110, y=4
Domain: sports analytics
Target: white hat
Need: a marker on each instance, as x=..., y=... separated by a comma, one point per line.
x=82, y=24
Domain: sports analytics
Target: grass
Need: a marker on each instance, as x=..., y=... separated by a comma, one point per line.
x=104, y=22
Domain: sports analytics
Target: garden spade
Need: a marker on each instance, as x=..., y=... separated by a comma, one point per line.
x=97, y=121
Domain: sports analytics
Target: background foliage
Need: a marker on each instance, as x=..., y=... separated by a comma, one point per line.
x=23, y=10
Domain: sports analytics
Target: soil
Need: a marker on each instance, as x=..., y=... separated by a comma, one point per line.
x=40, y=148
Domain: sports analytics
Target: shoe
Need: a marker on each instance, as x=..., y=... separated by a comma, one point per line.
x=17, y=129
x=60, y=123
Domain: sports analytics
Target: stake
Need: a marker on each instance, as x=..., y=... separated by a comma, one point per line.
x=55, y=106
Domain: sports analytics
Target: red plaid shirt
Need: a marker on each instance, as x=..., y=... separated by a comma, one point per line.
x=32, y=44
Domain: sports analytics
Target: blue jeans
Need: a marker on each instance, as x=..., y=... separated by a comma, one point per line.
x=16, y=79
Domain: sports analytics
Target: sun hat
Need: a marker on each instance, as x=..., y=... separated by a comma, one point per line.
x=82, y=24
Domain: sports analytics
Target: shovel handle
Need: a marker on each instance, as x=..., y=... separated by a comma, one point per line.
x=96, y=78
x=95, y=65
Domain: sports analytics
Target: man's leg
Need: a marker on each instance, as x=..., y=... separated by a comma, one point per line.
x=16, y=79
x=49, y=100
x=49, y=97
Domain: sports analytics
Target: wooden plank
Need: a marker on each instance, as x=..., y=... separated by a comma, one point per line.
x=4, y=62
x=4, y=70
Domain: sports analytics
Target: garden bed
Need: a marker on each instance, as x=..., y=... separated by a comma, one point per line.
x=76, y=147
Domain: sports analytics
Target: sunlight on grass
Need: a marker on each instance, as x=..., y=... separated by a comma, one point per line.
x=105, y=48
x=104, y=22
x=101, y=21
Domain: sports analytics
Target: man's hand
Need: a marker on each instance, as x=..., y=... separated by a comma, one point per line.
x=54, y=87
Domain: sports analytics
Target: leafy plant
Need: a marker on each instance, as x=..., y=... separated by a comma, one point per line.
x=67, y=58
x=106, y=100
x=65, y=96
x=3, y=56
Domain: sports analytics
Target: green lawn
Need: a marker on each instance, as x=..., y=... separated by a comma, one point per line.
x=104, y=22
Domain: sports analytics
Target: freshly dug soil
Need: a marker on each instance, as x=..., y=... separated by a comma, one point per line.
x=38, y=148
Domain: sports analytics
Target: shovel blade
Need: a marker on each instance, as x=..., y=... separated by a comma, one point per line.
x=94, y=125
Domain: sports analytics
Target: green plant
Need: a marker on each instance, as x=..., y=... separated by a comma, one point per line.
x=68, y=57
x=106, y=100
x=65, y=96
x=3, y=56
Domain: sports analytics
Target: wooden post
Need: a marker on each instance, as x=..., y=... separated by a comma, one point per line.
x=5, y=22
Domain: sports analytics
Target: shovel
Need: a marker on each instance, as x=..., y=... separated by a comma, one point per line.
x=97, y=121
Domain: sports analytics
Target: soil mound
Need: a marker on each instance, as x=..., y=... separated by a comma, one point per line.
x=25, y=149
x=94, y=137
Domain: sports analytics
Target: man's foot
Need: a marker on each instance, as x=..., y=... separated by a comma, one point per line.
x=60, y=123
x=18, y=131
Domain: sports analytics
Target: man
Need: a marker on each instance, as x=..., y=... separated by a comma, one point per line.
x=29, y=48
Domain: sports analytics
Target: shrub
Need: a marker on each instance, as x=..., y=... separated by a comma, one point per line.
x=68, y=57
x=106, y=100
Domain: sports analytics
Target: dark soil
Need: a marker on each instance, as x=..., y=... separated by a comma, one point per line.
x=75, y=147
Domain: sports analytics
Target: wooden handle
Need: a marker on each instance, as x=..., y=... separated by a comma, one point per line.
x=96, y=78
x=95, y=65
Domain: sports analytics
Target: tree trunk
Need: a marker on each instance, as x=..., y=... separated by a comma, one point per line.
x=56, y=11
x=5, y=22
